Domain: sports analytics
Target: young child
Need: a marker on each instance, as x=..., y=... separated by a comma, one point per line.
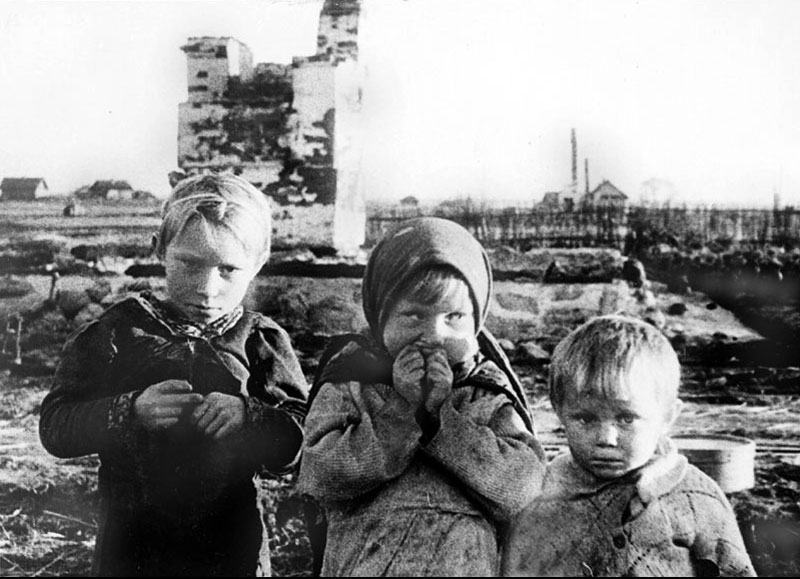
x=622, y=502
x=419, y=441
x=185, y=398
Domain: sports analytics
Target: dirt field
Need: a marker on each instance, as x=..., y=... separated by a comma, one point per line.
x=48, y=506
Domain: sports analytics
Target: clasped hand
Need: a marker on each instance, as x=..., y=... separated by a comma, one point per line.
x=164, y=404
x=423, y=377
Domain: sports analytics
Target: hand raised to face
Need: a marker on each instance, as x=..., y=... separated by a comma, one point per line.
x=408, y=374
x=438, y=380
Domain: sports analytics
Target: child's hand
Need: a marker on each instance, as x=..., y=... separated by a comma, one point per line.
x=439, y=380
x=161, y=405
x=219, y=415
x=408, y=372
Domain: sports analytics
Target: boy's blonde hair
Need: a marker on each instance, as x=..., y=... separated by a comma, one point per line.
x=218, y=200
x=609, y=356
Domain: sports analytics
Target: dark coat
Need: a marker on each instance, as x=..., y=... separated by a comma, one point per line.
x=174, y=502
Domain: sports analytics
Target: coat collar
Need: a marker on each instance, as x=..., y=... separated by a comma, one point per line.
x=656, y=478
x=177, y=324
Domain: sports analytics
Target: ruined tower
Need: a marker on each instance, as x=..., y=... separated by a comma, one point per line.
x=291, y=130
x=325, y=136
x=234, y=117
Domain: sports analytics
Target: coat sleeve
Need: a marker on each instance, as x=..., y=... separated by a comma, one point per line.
x=275, y=399
x=484, y=443
x=78, y=416
x=718, y=549
x=357, y=438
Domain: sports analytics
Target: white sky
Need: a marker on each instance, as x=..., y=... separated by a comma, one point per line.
x=464, y=97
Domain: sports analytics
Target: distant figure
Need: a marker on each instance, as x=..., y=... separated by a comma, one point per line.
x=622, y=502
x=554, y=273
x=73, y=208
x=633, y=272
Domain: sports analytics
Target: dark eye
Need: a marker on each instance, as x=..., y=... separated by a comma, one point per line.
x=228, y=269
x=456, y=316
x=584, y=417
x=627, y=419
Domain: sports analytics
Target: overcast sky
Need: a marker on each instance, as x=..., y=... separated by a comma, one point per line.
x=464, y=97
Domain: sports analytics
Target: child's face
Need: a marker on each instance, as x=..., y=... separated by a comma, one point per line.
x=208, y=271
x=610, y=437
x=448, y=323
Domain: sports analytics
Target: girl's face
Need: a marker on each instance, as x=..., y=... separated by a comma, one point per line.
x=208, y=271
x=447, y=323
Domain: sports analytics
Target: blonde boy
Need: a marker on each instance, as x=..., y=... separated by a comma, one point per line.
x=622, y=502
x=184, y=398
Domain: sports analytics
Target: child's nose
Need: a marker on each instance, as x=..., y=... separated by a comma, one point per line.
x=436, y=329
x=607, y=434
x=209, y=283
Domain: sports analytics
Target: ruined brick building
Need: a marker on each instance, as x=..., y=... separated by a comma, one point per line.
x=291, y=130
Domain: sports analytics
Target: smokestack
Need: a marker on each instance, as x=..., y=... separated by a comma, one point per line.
x=574, y=159
x=586, y=172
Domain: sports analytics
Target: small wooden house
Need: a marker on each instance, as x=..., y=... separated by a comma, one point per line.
x=605, y=195
x=23, y=188
x=112, y=190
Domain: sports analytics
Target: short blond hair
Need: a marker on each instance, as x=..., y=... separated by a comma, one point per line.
x=220, y=201
x=610, y=356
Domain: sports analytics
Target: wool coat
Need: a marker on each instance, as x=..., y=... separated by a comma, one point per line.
x=174, y=502
x=404, y=499
x=667, y=519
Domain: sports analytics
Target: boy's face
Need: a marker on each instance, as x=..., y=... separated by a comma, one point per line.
x=208, y=271
x=610, y=437
x=448, y=323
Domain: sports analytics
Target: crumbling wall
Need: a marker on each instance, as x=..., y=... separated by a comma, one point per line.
x=337, y=37
x=211, y=63
x=294, y=132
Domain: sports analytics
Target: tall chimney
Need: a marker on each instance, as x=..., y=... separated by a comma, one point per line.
x=574, y=160
x=586, y=172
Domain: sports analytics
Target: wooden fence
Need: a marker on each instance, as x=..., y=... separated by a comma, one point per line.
x=607, y=227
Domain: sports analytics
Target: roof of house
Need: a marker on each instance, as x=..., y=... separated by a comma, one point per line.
x=12, y=185
x=551, y=197
x=108, y=185
x=607, y=188
x=21, y=182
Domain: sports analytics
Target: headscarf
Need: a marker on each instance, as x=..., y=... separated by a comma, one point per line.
x=417, y=244
x=409, y=247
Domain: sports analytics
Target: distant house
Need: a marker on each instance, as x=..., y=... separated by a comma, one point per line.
x=551, y=200
x=409, y=201
x=23, y=188
x=111, y=190
x=605, y=195
x=559, y=200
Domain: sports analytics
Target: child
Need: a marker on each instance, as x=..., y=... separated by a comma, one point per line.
x=184, y=399
x=419, y=441
x=623, y=502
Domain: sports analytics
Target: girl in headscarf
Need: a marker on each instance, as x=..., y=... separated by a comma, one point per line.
x=419, y=441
